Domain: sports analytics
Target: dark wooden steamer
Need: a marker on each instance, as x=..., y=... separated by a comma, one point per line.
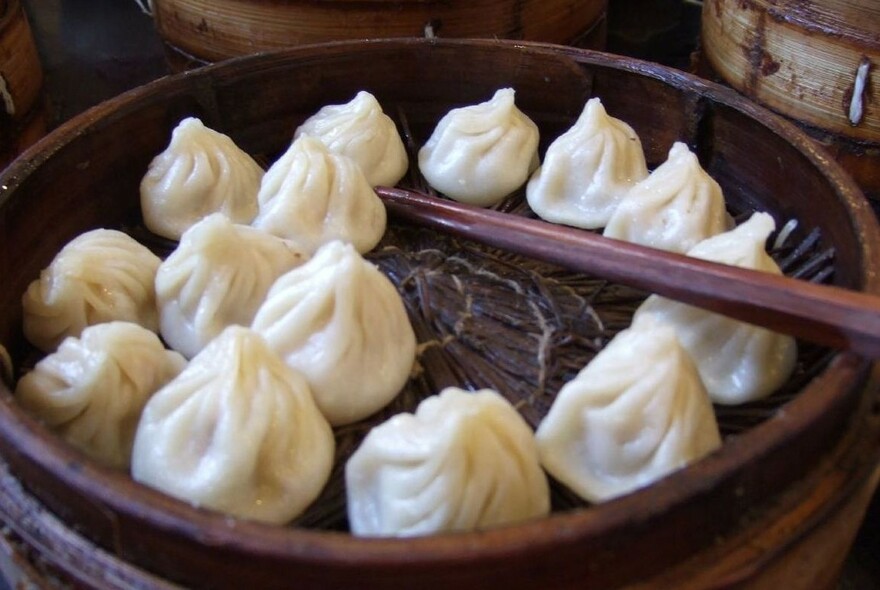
x=205, y=31
x=23, y=116
x=801, y=58
x=778, y=504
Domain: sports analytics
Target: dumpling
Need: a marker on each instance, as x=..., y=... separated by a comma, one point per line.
x=637, y=412
x=100, y=276
x=341, y=322
x=673, y=209
x=201, y=172
x=480, y=154
x=464, y=461
x=738, y=362
x=310, y=197
x=218, y=276
x=237, y=431
x=360, y=130
x=587, y=170
x=92, y=389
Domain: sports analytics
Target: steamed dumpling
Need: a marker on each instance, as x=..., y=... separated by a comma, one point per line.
x=464, y=461
x=637, y=412
x=311, y=196
x=480, y=154
x=218, y=276
x=738, y=362
x=201, y=172
x=587, y=170
x=92, y=389
x=360, y=130
x=100, y=276
x=341, y=322
x=236, y=431
x=673, y=209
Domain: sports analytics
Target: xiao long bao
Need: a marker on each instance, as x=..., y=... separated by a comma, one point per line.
x=360, y=130
x=342, y=323
x=674, y=208
x=738, y=362
x=92, y=389
x=236, y=431
x=100, y=276
x=464, y=461
x=637, y=412
x=217, y=276
x=199, y=173
x=311, y=196
x=587, y=170
x=480, y=154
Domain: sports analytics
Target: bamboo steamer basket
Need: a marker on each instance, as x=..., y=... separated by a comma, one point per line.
x=201, y=31
x=23, y=116
x=814, y=61
x=778, y=504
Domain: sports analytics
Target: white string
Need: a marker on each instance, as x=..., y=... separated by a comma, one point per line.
x=856, y=106
x=146, y=6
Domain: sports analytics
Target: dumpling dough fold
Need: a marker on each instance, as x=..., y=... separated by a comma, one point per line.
x=464, y=461
x=311, y=196
x=677, y=206
x=217, y=276
x=479, y=154
x=360, y=130
x=587, y=170
x=92, y=389
x=236, y=431
x=100, y=276
x=201, y=172
x=738, y=362
x=342, y=323
x=637, y=412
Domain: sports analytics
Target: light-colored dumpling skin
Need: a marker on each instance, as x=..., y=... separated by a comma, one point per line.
x=479, y=154
x=340, y=322
x=237, y=431
x=677, y=206
x=201, y=172
x=92, y=389
x=464, y=461
x=637, y=412
x=360, y=130
x=587, y=170
x=311, y=196
x=100, y=276
x=738, y=362
x=217, y=276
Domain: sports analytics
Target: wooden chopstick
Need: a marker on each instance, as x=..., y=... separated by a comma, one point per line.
x=822, y=314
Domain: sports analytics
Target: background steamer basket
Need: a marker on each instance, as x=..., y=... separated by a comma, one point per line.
x=23, y=114
x=814, y=61
x=791, y=472
x=202, y=31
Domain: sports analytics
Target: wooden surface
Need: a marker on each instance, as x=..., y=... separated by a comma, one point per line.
x=814, y=61
x=22, y=114
x=212, y=30
x=752, y=156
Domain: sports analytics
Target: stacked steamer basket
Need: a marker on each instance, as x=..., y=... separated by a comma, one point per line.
x=200, y=31
x=778, y=504
x=23, y=117
x=814, y=61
